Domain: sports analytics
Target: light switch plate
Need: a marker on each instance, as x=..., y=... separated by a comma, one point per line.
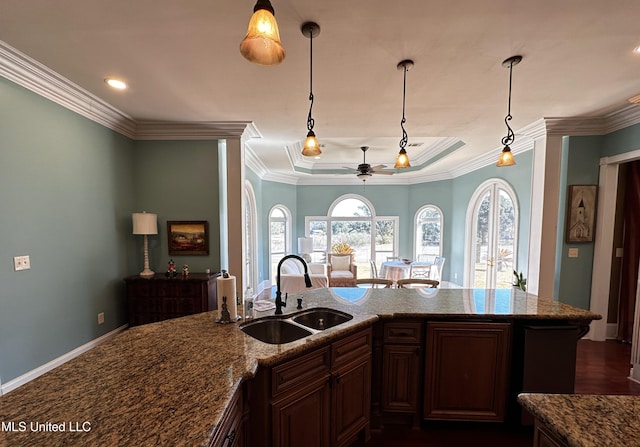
x=573, y=252
x=21, y=263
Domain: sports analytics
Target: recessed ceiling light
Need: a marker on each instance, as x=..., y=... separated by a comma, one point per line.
x=116, y=83
x=637, y=50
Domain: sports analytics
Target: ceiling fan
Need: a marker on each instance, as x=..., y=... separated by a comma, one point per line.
x=365, y=170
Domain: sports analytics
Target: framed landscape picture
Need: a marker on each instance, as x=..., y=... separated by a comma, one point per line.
x=188, y=237
x=581, y=213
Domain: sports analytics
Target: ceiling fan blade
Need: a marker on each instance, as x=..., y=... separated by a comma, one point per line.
x=378, y=167
x=384, y=172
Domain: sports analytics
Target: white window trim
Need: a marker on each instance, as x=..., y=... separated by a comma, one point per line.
x=287, y=238
x=415, y=228
x=487, y=185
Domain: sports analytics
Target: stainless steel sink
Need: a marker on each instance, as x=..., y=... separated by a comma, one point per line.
x=274, y=331
x=321, y=318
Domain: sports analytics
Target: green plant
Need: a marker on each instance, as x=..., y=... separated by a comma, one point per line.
x=520, y=282
x=342, y=247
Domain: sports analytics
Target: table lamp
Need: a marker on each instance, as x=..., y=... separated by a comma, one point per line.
x=305, y=247
x=145, y=223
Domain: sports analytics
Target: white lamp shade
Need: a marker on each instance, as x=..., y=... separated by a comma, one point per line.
x=305, y=245
x=145, y=223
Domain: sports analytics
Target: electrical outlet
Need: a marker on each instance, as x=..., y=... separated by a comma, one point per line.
x=21, y=263
x=101, y=318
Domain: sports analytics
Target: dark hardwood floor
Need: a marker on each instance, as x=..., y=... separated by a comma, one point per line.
x=601, y=368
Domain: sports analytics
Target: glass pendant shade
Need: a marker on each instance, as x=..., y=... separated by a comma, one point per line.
x=403, y=160
x=262, y=43
x=506, y=158
x=311, y=146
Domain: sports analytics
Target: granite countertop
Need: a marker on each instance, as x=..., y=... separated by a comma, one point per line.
x=168, y=383
x=588, y=420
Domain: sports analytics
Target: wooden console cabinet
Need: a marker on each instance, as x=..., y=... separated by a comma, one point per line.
x=467, y=370
x=160, y=298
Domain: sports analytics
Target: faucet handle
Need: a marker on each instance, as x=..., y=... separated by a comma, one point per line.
x=299, y=303
x=284, y=303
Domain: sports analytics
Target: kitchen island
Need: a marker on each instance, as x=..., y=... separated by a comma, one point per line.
x=171, y=383
x=569, y=420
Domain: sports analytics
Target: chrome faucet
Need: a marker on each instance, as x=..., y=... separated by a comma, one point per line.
x=307, y=282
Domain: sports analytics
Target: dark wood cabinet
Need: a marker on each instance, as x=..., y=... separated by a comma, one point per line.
x=320, y=399
x=160, y=298
x=229, y=432
x=466, y=370
x=401, y=368
x=543, y=437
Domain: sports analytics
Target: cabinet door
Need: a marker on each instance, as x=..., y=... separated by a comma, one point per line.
x=400, y=378
x=466, y=367
x=351, y=400
x=302, y=419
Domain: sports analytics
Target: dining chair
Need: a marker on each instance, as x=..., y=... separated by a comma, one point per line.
x=409, y=283
x=438, y=264
x=374, y=283
x=374, y=269
x=393, y=258
x=420, y=270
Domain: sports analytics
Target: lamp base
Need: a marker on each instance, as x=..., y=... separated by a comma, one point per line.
x=147, y=273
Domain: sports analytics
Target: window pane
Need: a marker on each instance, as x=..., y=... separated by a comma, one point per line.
x=318, y=232
x=351, y=208
x=506, y=241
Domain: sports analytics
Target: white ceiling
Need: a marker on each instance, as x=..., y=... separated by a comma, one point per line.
x=182, y=63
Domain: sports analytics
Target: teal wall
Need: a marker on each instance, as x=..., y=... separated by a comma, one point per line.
x=177, y=180
x=68, y=187
x=580, y=166
x=451, y=196
x=66, y=196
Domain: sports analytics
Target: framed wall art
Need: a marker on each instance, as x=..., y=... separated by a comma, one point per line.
x=188, y=237
x=581, y=213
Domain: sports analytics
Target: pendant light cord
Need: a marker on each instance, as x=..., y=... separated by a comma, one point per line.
x=510, y=137
x=405, y=137
x=310, y=120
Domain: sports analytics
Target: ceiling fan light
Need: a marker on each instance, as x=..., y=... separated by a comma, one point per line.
x=403, y=160
x=311, y=146
x=506, y=158
x=262, y=43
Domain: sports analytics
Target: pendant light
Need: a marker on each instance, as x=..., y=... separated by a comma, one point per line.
x=403, y=159
x=311, y=146
x=506, y=157
x=262, y=43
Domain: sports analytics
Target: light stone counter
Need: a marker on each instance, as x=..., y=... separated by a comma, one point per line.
x=168, y=383
x=588, y=420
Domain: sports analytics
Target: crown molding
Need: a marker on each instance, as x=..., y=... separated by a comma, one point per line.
x=36, y=77
x=254, y=163
x=199, y=130
x=26, y=72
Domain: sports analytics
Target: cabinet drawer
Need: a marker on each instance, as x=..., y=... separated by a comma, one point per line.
x=405, y=332
x=229, y=432
x=351, y=348
x=314, y=366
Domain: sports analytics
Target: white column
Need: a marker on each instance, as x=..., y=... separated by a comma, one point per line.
x=543, y=226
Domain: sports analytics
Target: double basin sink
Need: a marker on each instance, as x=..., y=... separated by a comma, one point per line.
x=279, y=329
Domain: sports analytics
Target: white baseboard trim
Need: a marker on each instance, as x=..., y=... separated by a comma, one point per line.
x=34, y=373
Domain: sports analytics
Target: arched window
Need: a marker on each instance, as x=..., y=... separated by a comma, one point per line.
x=351, y=223
x=492, y=236
x=279, y=237
x=428, y=233
x=250, y=275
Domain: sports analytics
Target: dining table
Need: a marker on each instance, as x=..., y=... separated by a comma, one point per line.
x=395, y=270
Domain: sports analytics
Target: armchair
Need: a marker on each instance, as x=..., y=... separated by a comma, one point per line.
x=341, y=270
x=292, y=276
